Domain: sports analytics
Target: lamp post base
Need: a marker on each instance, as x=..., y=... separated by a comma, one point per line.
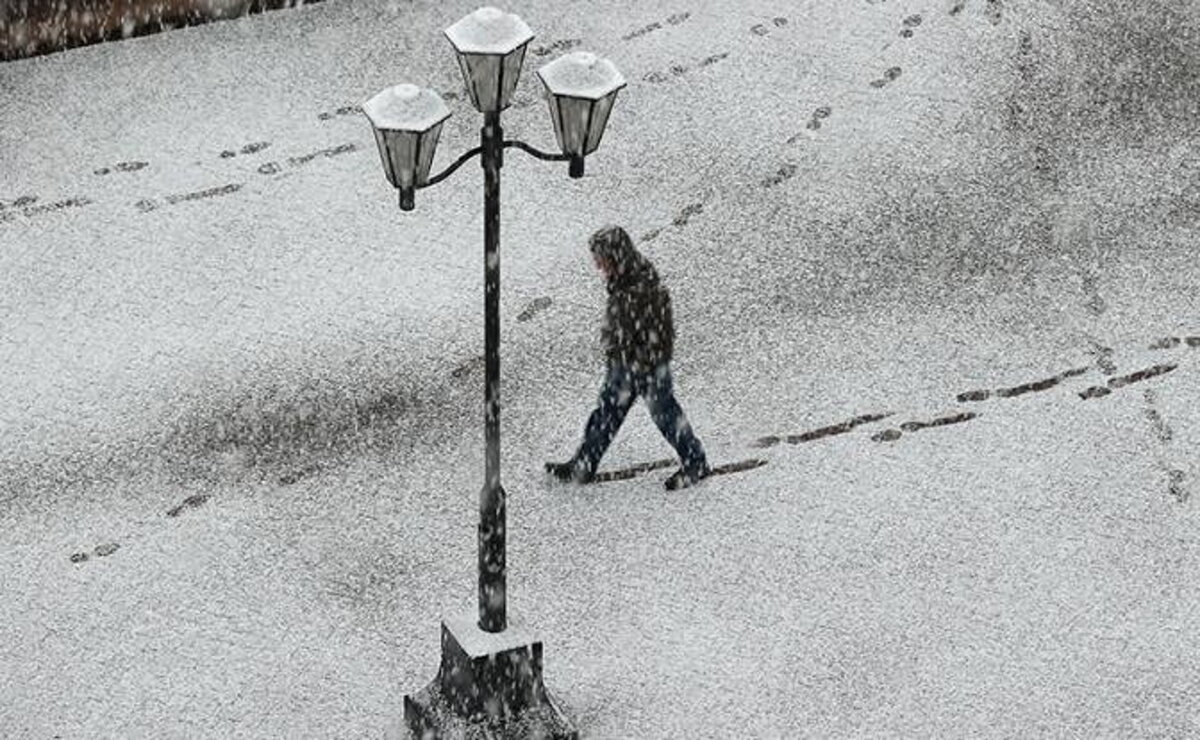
x=489, y=686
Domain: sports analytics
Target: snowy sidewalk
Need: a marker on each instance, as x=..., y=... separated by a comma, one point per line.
x=248, y=389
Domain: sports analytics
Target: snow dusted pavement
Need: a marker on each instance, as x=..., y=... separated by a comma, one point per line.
x=933, y=262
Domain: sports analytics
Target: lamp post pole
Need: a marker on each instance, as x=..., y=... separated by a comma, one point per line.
x=491, y=667
x=493, y=596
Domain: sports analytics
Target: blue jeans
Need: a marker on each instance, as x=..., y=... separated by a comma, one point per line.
x=621, y=388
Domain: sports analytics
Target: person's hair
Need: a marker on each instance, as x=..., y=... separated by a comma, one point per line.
x=612, y=243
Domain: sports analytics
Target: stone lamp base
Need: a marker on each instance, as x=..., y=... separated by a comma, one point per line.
x=489, y=686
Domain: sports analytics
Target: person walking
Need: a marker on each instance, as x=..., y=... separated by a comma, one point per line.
x=639, y=340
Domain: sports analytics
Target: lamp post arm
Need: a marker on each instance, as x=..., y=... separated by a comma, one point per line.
x=434, y=180
x=536, y=152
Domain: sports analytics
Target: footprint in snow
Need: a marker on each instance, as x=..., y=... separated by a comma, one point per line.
x=535, y=307
x=1172, y=342
x=820, y=433
x=345, y=110
x=1175, y=479
x=686, y=214
x=191, y=502
x=251, y=148
x=553, y=46
x=122, y=167
x=1120, y=381
x=891, y=435
x=890, y=75
x=101, y=551
x=784, y=173
x=818, y=116
x=994, y=11
x=1033, y=386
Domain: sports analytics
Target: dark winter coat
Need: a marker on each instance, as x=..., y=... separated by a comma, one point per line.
x=639, y=329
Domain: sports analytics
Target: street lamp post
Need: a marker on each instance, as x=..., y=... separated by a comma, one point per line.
x=491, y=668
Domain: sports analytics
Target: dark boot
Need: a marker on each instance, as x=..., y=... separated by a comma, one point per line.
x=684, y=478
x=571, y=471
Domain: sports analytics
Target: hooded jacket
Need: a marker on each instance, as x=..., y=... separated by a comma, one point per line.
x=639, y=330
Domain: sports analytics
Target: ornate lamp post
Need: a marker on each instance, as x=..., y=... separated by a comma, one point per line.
x=491, y=668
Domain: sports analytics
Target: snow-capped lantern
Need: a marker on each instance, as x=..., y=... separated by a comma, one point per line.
x=490, y=46
x=407, y=122
x=582, y=88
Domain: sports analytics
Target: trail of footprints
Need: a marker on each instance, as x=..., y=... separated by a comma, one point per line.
x=1115, y=382
x=121, y=167
x=1173, y=342
x=993, y=10
x=252, y=148
x=761, y=29
x=1163, y=433
x=672, y=20
x=1019, y=390
x=27, y=206
x=818, y=115
x=910, y=25
x=194, y=501
x=890, y=75
x=535, y=307
x=680, y=69
x=101, y=551
x=821, y=433
x=679, y=220
x=475, y=364
x=1120, y=381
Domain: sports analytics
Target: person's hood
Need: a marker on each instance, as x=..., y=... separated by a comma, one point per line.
x=629, y=265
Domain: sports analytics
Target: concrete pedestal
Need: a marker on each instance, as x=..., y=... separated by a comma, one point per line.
x=489, y=685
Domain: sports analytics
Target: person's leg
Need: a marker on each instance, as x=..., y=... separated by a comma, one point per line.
x=671, y=421
x=616, y=397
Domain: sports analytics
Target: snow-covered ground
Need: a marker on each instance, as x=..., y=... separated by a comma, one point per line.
x=230, y=357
